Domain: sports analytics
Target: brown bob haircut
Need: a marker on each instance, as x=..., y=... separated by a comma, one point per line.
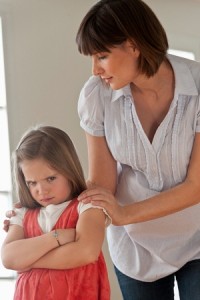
x=56, y=148
x=109, y=23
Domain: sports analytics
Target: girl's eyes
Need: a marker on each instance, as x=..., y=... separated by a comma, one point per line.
x=33, y=183
x=51, y=178
x=30, y=183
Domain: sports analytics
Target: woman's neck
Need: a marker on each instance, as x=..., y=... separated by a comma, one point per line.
x=156, y=85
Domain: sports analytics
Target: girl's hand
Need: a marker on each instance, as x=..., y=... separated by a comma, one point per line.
x=99, y=196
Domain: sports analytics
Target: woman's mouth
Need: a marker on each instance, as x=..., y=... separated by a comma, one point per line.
x=107, y=80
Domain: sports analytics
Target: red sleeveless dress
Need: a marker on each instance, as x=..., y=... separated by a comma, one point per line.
x=89, y=282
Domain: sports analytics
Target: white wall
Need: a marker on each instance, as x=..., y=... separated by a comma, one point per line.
x=181, y=21
x=45, y=72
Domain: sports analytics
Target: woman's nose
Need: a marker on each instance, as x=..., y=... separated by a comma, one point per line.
x=96, y=69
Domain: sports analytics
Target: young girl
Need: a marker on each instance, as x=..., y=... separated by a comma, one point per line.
x=53, y=241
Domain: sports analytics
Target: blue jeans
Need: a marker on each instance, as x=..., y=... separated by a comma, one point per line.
x=188, y=280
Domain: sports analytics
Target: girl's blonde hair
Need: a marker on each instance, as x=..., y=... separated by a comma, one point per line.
x=56, y=148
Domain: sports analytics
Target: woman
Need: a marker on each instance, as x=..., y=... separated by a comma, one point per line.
x=141, y=115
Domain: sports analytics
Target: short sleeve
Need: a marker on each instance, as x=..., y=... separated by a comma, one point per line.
x=18, y=218
x=91, y=107
x=83, y=207
x=198, y=118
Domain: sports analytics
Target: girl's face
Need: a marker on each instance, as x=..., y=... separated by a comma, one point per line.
x=118, y=67
x=46, y=185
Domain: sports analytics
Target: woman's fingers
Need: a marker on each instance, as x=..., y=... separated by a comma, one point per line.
x=17, y=205
x=10, y=213
x=105, y=199
x=94, y=194
x=6, y=224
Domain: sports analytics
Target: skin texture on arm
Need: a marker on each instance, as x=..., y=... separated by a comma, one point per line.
x=19, y=253
x=90, y=232
x=178, y=198
x=102, y=166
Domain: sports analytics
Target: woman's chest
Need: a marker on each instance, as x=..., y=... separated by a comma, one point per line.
x=169, y=152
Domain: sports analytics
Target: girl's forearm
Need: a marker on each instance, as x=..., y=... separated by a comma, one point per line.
x=90, y=233
x=20, y=254
x=71, y=255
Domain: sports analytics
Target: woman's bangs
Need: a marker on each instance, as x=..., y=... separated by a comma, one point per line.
x=90, y=41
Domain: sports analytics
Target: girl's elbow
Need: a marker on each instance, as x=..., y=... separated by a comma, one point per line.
x=7, y=262
x=7, y=257
x=91, y=255
x=10, y=262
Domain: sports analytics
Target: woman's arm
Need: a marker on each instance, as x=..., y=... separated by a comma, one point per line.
x=90, y=232
x=102, y=166
x=19, y=253
x=178, y=198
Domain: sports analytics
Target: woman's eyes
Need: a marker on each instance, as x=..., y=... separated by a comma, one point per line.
x=102, y=57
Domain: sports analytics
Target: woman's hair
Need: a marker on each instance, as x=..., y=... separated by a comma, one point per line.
x=111, y=22
x=56, y=148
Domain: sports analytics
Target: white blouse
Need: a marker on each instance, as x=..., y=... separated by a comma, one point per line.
x=149, y=250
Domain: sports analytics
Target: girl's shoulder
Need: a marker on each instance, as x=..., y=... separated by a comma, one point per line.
x=19, y=216
x=83, y=207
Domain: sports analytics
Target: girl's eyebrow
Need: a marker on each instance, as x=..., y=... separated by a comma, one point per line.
x=28, y=181
x=45, y=178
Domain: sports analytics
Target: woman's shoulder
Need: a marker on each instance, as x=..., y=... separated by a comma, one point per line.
x=94, y=86
x=91, y=105
x=187, y=68
x=191, y=64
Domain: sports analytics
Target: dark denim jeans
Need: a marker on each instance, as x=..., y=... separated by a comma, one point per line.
x=188, y=280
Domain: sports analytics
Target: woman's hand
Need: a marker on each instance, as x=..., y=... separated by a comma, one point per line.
x=10, y=214
x=6, y=223
x=99, y=196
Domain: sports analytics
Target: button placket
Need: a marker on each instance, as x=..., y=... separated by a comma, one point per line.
x=152, y=171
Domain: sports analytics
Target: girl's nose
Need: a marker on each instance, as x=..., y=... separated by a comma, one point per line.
x=42, y=188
